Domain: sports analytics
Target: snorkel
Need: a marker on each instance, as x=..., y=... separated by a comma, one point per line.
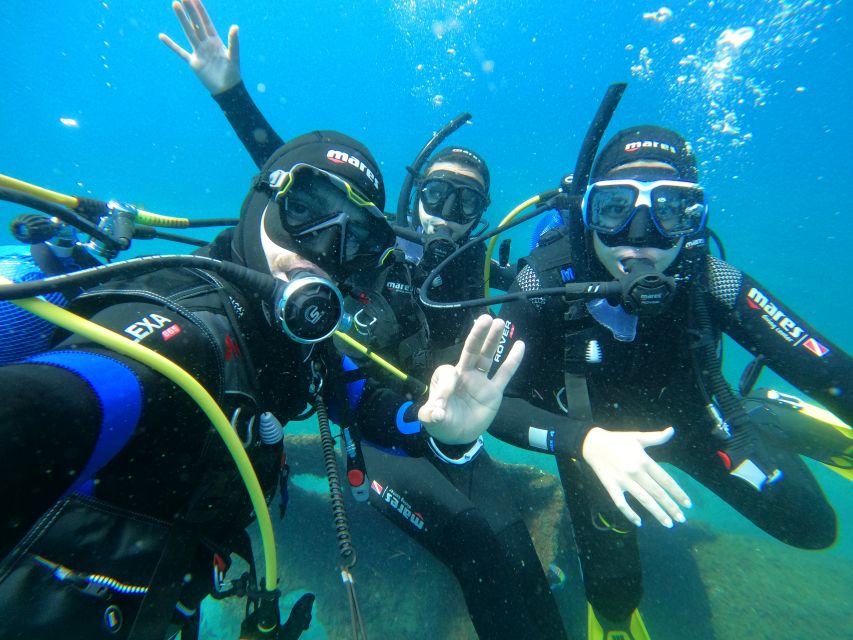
x=576, y=186
x=404, y=200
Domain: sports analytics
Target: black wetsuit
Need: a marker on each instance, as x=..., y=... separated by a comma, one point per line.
x=454, y=510
x=647, y=384
x=449, y=504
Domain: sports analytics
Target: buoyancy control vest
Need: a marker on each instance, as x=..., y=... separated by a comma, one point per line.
x=388, y=318
x=554, y=263
x=94, y=569
x=560, y=259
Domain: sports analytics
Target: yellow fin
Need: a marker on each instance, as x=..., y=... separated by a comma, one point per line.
x=599, y=628
x=810, y=430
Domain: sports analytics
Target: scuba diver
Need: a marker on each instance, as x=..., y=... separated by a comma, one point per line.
x=444, y=495
x=604, y=374
x=440, y=207
x=451, y=195
x=120, y=516
x=463, y=517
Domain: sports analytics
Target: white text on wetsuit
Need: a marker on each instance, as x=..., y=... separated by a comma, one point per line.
x=508, y=332
x=775, y=317
x=399, y=503
x=145, y=327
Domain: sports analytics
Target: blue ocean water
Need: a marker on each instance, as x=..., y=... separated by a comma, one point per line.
x=762, y=88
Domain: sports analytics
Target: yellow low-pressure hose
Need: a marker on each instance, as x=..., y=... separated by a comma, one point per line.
x=156, y=220
x=103, y=336
x=487, y=268
x=355, y=344
x=45, y=194
x=71, y=202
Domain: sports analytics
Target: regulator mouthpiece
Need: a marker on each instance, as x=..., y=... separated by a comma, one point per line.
x=308, y=308
x=32, y=228
x=437, y=247
x=645, y=290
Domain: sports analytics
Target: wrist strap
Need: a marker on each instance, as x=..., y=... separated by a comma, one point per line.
x=465, y=458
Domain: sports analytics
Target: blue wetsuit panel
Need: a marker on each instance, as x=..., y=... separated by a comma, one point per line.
x=119, y=394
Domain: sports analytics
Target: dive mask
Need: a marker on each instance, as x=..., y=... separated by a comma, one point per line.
x=676, y=208
x=330, y=222
x=453, y=197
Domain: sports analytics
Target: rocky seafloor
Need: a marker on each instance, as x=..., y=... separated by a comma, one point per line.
x=700, y=582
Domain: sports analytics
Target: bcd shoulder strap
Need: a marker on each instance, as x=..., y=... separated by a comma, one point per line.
x=553, y=263
x=552, y=260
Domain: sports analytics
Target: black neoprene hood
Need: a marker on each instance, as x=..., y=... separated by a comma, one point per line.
x=328, y=150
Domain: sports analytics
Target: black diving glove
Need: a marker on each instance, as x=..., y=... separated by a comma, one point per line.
x=746, y=457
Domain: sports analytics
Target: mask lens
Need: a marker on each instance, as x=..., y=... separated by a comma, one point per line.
x=610, y=207
x=678, y=210
x=469, y=203
x=434, y=194
x=472, y=203
x=311, y=199
x=366, y=237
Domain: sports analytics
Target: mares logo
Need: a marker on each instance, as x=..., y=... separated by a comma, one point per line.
x=399, y=287
x=342, y=157
x=465, y=152
x=506, y=336
x=148, y=325
x=775, y=318
x=396, y=501
x=631, y=147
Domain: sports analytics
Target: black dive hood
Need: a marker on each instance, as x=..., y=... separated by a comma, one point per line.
x=328, y=150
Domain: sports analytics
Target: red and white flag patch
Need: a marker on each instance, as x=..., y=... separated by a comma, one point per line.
x=815, y=347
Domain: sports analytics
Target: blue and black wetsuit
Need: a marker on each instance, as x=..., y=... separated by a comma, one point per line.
x=113, y=460
x=649, y=383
